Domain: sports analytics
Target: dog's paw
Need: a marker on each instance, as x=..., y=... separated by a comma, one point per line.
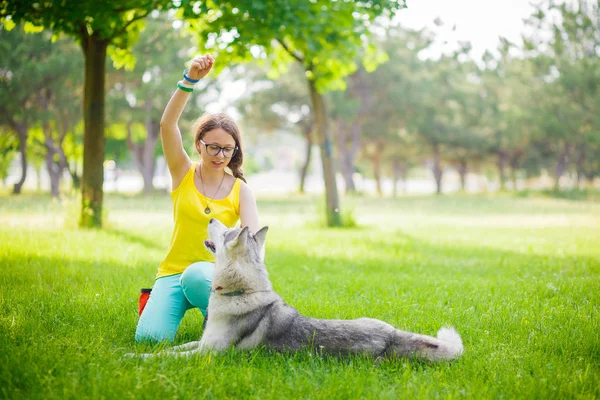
x=130, y=355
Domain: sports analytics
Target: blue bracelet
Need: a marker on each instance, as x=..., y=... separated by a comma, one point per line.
x=187, y=78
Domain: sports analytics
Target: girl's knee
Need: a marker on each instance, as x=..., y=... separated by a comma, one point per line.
x=198, y=275
x=196, y=281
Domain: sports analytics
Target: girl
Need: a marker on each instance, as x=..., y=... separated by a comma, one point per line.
x=201, y=191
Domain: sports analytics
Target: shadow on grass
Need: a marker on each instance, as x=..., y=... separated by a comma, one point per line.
x=135, y=239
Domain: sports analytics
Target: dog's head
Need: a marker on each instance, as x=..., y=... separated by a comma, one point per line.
x=235, y=243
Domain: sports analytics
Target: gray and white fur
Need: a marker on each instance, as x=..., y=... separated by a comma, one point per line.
x=245, y=312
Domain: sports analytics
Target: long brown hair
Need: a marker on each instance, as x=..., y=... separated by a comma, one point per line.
x=208, y=122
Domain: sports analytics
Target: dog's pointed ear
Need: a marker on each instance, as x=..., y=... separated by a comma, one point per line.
x=260, y=238
x=261, y=235
x=241, y=238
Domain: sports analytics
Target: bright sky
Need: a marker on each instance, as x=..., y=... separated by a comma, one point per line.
x=480, y=22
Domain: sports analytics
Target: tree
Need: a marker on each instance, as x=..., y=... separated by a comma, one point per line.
x=138, y=95
x=281, y=104
x=393, y=103
x=324, y=37
x=59, y=102
x=22, y=56
x=99, y=27
x=568, y=60
x=436, y=119
x=8, y=147
x=345, y=112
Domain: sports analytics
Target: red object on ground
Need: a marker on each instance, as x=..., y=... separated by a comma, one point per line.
x=144, y=296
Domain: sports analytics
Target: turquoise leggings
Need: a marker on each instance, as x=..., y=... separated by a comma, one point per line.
x=171, y=297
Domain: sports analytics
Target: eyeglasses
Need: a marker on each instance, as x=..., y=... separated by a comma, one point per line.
x=215, y=149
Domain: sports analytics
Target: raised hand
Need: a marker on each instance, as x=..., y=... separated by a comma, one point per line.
x=201, y=66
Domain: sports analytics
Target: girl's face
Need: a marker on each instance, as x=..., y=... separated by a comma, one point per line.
x=216, y=137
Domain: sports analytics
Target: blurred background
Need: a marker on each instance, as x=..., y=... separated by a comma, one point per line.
x=392, y=97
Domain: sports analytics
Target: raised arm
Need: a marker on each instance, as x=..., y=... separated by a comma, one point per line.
x=177, y=159
x=248, y=210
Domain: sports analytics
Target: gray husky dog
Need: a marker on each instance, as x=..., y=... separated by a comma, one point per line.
x=246, y=313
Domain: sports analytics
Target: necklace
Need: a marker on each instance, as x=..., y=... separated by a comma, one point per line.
x=207, y=209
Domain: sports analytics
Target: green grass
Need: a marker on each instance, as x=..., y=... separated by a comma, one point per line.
x=518, y=277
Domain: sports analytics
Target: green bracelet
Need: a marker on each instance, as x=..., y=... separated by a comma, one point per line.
x=184, y=88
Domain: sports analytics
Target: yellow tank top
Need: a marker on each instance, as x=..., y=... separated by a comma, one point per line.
x=191, y=223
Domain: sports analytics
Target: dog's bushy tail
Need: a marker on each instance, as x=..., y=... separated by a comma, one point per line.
x=453, y=343
x=446, y=346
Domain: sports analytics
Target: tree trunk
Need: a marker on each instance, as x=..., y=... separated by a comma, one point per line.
x=462, y=172
x=399, y=170
x=501, y=163
x=143, y=152
x=395, y=177
x=515, y=163
x=590, y=180
x=74, y=176
x=39, y=178
x=561, y=164
x=579, y=164
x=153, y=131
x=63, y=157
x=22, y=131
x=53, y=173
x=376, y=160
x=403, y=171
x=325, y=145
x=53, y=166
x=307, y=129
x=437, y=168
x=346, y=157
x=351, y=156
x=62, y=163
x=94, y=50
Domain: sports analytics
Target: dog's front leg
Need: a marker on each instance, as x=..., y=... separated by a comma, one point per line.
x=214, y=343
x=180, y=354
x=186, y=346
x=193, y=347
x=185, y=350
x=219, y=334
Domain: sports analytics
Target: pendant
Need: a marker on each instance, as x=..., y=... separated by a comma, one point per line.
x=207, y=210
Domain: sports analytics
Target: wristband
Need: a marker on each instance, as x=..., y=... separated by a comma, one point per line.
x=185, y=89
x=186, y=85
x=187, y=78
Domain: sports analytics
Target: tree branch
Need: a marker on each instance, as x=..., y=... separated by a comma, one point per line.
x=41, y=144
x=124, y=28
x=294, y=54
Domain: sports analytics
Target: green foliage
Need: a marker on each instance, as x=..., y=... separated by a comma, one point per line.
x=24, y=58
x=119, y=24
x=325, y=37
x=9, y=145
x=281, y=105
x=567, y=70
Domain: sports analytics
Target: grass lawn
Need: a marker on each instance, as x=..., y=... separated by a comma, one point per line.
x=519, y=278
